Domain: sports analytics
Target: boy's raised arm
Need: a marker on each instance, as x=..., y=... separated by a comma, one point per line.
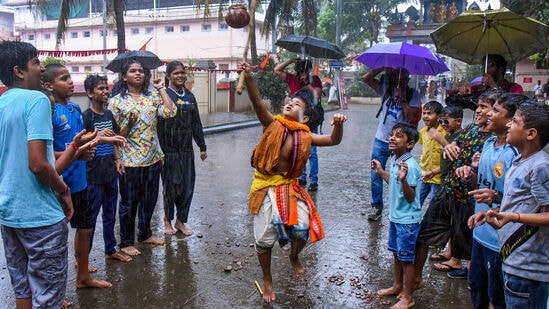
x=335, y=137
x=260, y=108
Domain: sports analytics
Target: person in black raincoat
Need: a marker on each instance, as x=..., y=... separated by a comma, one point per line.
x=176, y=135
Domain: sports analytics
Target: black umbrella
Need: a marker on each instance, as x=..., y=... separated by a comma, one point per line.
x=310, y=46
x=146, y=58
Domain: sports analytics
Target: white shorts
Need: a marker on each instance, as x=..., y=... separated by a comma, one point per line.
x=268, y=227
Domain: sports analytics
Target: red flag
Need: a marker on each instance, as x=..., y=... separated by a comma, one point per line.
x=264, y=62
x=144, y=47
x=315, y=71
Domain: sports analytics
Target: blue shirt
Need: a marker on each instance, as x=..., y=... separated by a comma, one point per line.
x=67, y=122
x=494, y=164
x=25, y=115
x=400, y=211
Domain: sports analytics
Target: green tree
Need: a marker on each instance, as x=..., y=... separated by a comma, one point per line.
x=361, y=22
x=271, y=87
x=292, y=15
x=115, y=8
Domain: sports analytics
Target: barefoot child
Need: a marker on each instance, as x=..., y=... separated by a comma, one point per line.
x=102, y=172
x=430, y=137
x=283, y=210
x=404, y=177
x=67, y=123
x=523, y=219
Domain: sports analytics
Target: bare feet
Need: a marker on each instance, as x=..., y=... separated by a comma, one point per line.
x=168, y=229
x=131, y=251
x=118, y=256
x=91, y=268
x=153, y=241
x=268, y=293
x=405, y=302
x=389, y=291
x=181, y=227
x=66, y=304
x=92, y=283
x=299, y=270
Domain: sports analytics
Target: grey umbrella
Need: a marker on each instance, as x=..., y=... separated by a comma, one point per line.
x=148, y=59
x=310, y=46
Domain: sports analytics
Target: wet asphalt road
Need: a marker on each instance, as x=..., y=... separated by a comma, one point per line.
x=344, y=270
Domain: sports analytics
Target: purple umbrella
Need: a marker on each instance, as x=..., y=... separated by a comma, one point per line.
x=416, y=59
x=477, y=80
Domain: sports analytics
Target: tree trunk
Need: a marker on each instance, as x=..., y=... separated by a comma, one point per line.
x=119, y=9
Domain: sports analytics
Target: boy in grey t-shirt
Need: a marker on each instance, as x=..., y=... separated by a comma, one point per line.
x=523, y=220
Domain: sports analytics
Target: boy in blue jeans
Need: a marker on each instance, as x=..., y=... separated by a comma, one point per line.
x=523, y=218
x=404, y=178
x=102, y=172
x=485, y=276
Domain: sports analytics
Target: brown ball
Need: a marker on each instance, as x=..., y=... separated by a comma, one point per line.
x=237, y=16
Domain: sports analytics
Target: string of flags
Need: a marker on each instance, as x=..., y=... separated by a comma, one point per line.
x=96, y=52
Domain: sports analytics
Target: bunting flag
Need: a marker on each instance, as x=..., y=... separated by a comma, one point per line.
x=78, y=53
x=264, y=62
x=144, y=47
x=315, y=71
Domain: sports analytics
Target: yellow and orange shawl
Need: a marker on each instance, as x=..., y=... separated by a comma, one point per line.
x=265, y=157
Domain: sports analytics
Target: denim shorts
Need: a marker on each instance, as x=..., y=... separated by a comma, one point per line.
x=83, y=214
x=525, y=293
x=402, y=240
x=37, y=263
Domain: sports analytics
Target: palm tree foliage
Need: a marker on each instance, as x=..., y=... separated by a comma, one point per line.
x=291, y=13
x=115, y=10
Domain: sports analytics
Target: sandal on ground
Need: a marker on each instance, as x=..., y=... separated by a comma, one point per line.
x=439, y=256
x=445, y=267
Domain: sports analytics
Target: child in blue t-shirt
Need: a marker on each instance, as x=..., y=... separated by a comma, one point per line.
x=67, y=123
x=404, y=177
x=523, y=218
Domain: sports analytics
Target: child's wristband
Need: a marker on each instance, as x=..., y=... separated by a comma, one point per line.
x=518, y=217
x=74, y=146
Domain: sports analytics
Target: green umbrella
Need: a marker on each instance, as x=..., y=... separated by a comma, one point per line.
x=474, y=34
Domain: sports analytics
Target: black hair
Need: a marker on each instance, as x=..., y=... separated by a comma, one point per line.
x=498, y=60
x=51, y=72
x=170, y=67
x=452, y=111
x=302, y=66
x=124, y=85
x=307, y=96
x=408, y=129
x=536, y=115
x=92, y=81
x=511, y=101
x=434, y=106
x=14, y=53
x=490, y=96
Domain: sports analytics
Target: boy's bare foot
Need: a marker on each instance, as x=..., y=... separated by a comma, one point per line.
x=92, y=283
x=404, y=303
x=131, y=251
x=268, y=292
x=181, y=227
x=91, y=268
x=119, y=256
x=389, y=291
x=299, y=270
x=168, y=229
x=153, y=241
x=66, y=304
